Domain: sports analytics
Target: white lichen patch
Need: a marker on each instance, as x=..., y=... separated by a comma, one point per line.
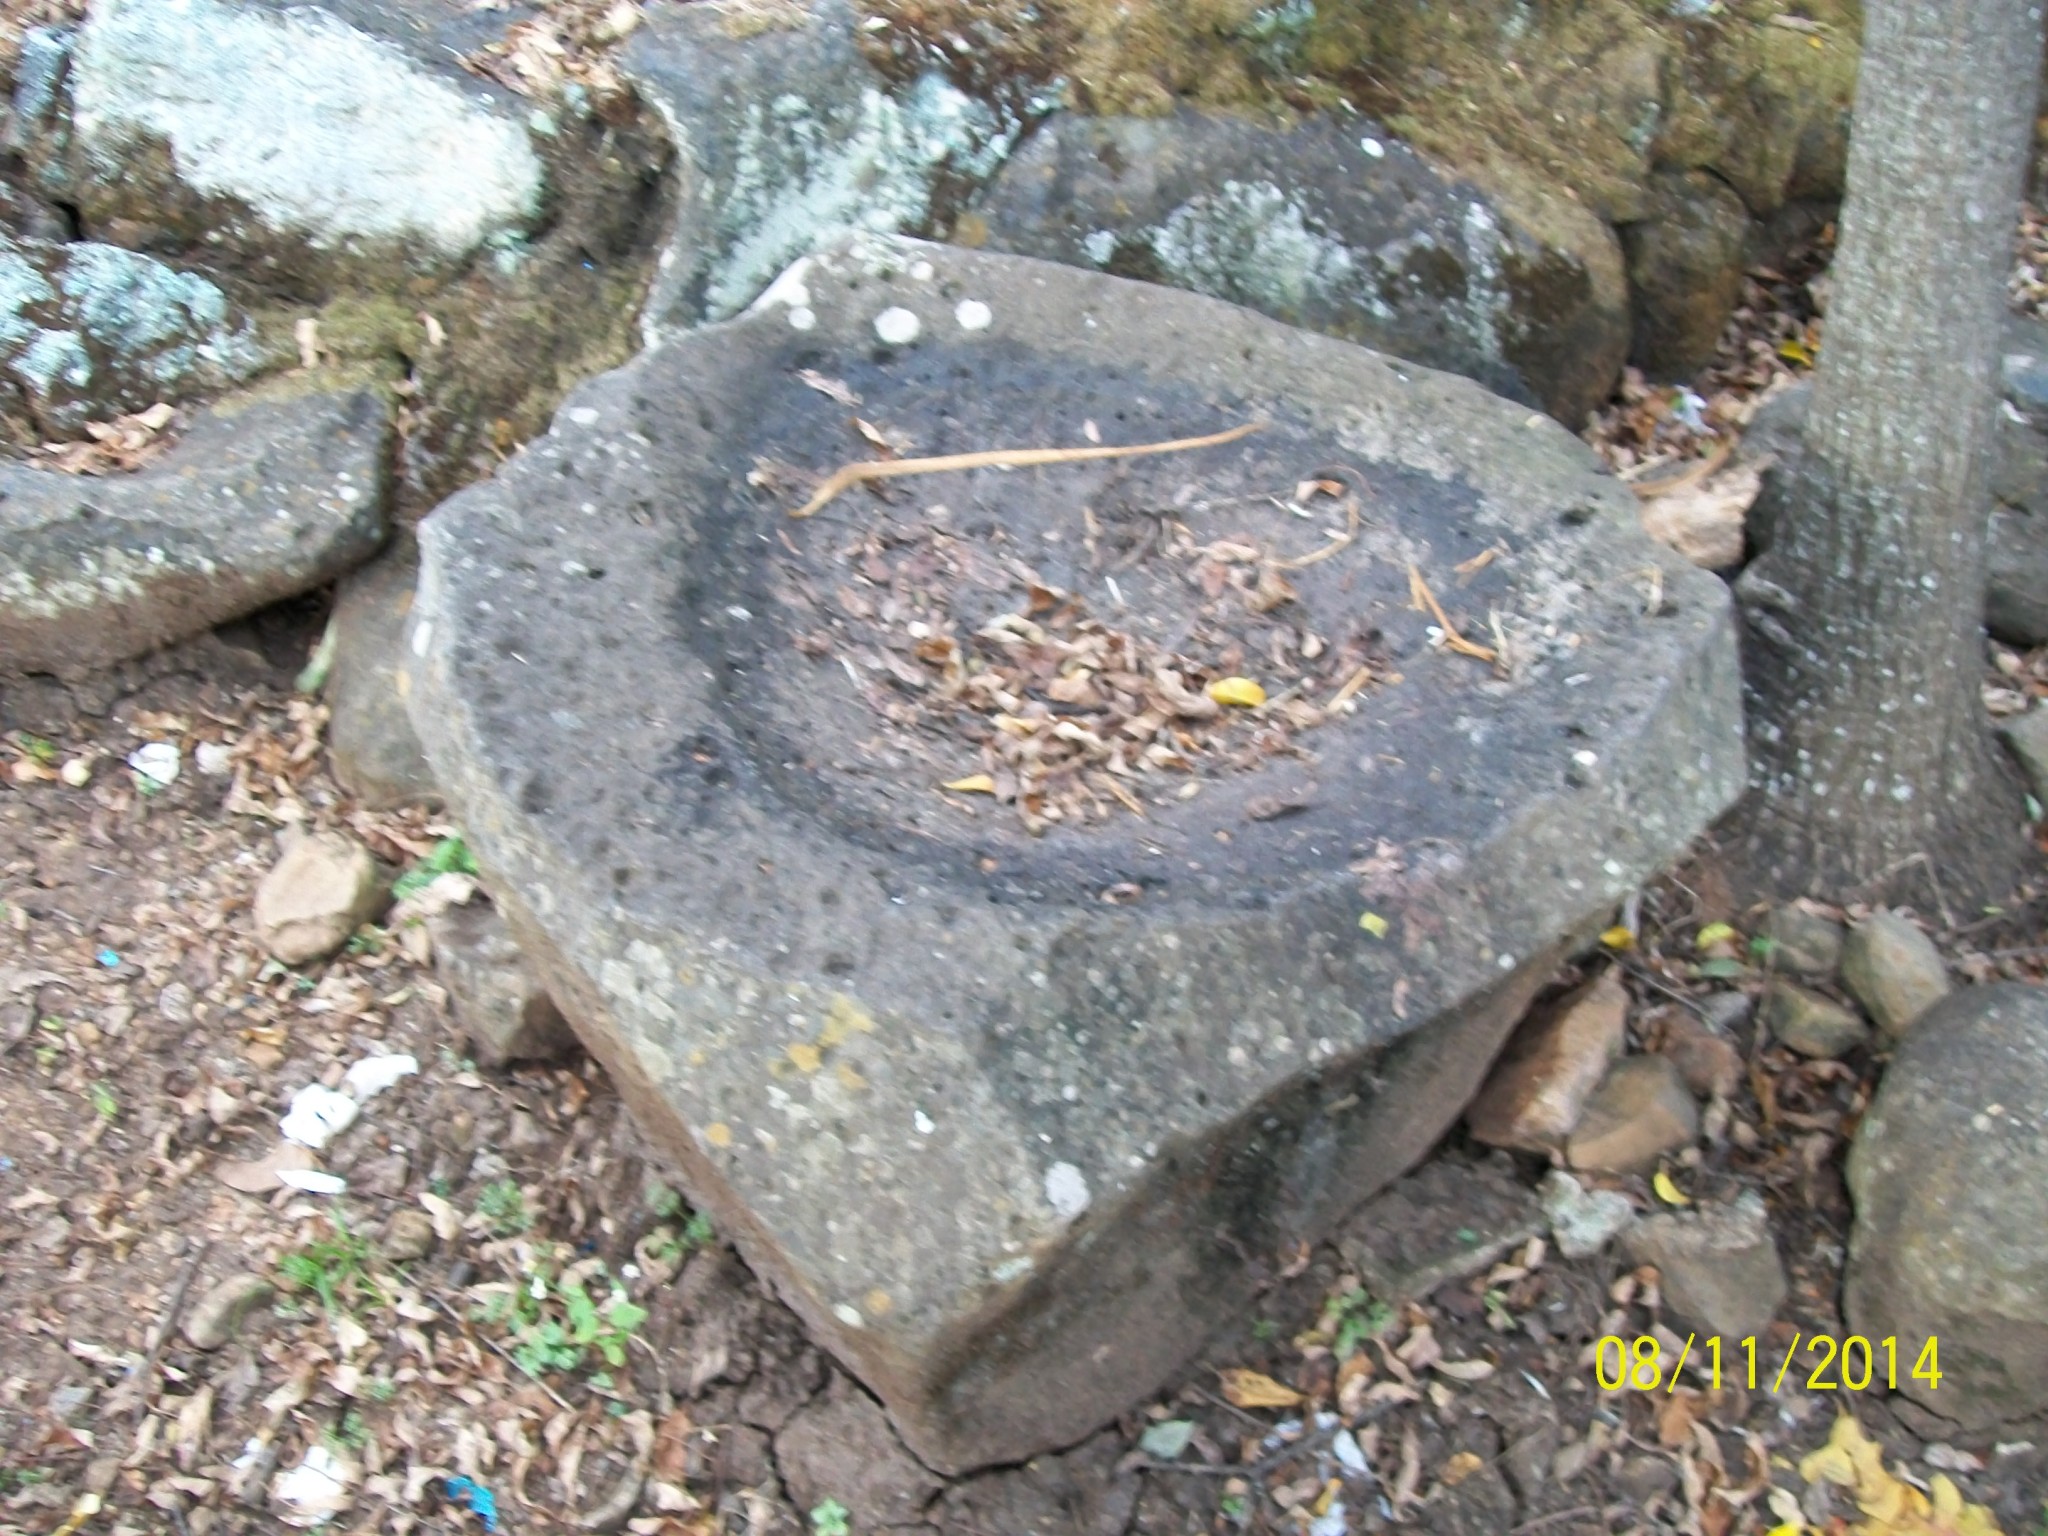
x=973, y=315
x=803, y=178
x=321, y=130
x=897, y=326
x=1066, y=1191
x=1252, y=242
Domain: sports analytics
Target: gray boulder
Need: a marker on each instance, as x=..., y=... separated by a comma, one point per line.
x=88, y=331
x=290, y=141
x=1008, y=1117
x=505, y=1014
x=1949, y=1175
x=1333, y=225
x=789, y=140
x=263, y=496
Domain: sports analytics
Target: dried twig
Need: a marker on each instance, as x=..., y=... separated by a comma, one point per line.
x=849, y=475
x=1457, y=642
x=180, y=1289
x=1692, y=475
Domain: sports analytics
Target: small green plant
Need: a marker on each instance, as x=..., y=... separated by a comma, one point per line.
x=37, y=747
x=1353, y=1318
x=336, y=1269
x=1265, y=1330
x=380, y=1389
x=450, y=856
x=503, y=1205
x=104, y=1103
x=366, y=940
x=554, y=1323
x=830, y=1519
x=13, y=1479
x=697, y=1230
x=663, y=1202
x=351, y=1433
x=56, y=1040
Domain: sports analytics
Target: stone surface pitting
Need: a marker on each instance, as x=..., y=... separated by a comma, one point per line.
x=1030, y=1146
x=262, y=497
x=315, y=128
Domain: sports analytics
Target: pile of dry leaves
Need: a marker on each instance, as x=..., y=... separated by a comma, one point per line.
x=1070, y=714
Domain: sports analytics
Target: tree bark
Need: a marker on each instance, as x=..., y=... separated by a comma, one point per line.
x=1863, y=643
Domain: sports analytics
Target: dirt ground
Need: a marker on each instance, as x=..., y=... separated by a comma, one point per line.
x=509, y=1291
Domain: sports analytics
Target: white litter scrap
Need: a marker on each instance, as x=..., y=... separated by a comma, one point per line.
x=313, y=1181
x=317, y=1114
x=317, y=1489
x=156, y=761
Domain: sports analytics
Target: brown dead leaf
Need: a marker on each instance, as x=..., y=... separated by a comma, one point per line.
x=832, y=389
x=259, y=1176
x=1250, y=1389
x=1460, y=1467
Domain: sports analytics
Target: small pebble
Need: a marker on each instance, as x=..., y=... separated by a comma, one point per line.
x=217, y=1315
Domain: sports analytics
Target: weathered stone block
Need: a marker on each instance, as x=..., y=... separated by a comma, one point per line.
x=505, y=1013
x=263, y=496
x=1010, y=1120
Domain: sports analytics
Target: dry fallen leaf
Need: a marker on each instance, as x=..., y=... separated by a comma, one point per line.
x=1250, y=1389
x=1460, y=1467
x=1851, y=1459
x=1239, y=692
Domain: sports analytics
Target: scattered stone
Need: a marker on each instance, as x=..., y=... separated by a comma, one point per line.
x=2026, y=737
x=1718, y=1265
x=1449, y=1219
x=1582, y=1220
x=506, y=1014
x=841, y=1447
x=408, y=1236
x=333, y=146
x=1307, y=225
x=1727, y=1012
x=753, y=944
x=1539, y=1088
x=1643, y=1477
x=1706, y=1059
x=1949, y=1175
x=1640, y=1112
x=89, y=331
x=1894, y=971
x=1705, y=522
x=217, y=1316
x=315, y=896
x=264, y=496
x=1809, y=1023
x=1807, y=943
x=370, y=739
x=174, y=1004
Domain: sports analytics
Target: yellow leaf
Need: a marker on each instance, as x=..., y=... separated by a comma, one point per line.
x=1715, y=933
x=1459, y=1467
x=1668, y=1190
x=805, y=1058
x=1373, y=924
x=1240, y=691
x=1786, y=1530
x=1892, y=1506
x=1618, y=937
x=1249, y=1389
x=1794, y=351
x=973, y=784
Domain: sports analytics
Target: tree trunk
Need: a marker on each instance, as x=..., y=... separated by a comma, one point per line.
x=1863, y=644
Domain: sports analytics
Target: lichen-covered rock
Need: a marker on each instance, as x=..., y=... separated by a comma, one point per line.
x=1949, y=1175
x=1809, y=1023
x=504, y=1013
x=290, y=139
x=790, y=140
x=1013, y=1192
x=1333, y=225
x=263, y=496
x=88, y=331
